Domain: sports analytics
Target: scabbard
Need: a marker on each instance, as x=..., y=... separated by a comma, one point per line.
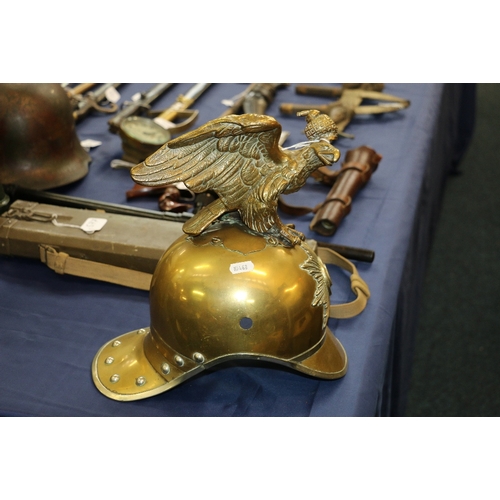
x=13, y=192
x=319, y=90
x=329, y=91
x=258, y=99
x=79, y=89
x=356, y=171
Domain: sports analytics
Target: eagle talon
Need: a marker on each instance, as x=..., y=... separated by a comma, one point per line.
x=292, y=235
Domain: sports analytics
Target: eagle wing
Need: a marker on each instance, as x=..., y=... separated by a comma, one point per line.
x=231, y=156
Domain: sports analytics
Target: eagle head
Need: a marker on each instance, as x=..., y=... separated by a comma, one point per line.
x=320, y=130
x=324, y=153
x=309, y=158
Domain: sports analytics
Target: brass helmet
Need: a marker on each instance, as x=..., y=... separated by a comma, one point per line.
x=229, y=293
x=39, y=148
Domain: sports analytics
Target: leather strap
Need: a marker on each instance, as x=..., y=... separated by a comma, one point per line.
x=358, y=286
x=295, y=210
x=62, y=263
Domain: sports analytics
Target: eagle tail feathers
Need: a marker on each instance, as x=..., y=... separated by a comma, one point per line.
x=204, y=217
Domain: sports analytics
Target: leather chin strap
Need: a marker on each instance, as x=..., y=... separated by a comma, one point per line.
x=358, y=286
x=62, y=263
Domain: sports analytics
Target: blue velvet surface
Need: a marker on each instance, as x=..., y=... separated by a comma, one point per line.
x=53, y=325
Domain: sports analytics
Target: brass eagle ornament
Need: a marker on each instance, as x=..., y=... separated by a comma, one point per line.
x=240, y=159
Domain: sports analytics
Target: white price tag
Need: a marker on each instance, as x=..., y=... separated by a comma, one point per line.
x=90, y=143
x=166, y=124
x=112, y=95
x=241, y=267
x=90, y=226
x=93, y=224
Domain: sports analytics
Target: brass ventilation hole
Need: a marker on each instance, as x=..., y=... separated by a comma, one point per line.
x=246, y=323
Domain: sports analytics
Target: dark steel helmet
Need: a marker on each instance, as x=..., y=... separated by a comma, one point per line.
x=39, y=147
x=227, y=294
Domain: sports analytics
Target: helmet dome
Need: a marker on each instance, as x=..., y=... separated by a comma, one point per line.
x=229, y=293
x=39, y=147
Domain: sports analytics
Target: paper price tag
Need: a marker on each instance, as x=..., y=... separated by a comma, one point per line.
x=90, y=143
x=112, y=95
x=93, y=224
x=166, y=124
x=90, y=226
x=241, y=267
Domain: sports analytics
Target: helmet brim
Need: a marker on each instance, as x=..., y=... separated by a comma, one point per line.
x=123, y=368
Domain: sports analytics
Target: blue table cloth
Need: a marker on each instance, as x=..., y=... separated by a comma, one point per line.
x=52, y=325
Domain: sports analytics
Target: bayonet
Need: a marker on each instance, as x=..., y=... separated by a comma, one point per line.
x=260, y=97
x=75, y=93
x=18, y=193
x=140, y=102
x=236, y=103
x=91, y=100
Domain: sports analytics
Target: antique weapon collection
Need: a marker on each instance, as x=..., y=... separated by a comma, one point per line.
x=234, y=172
x=254, y=99
x=178, y=202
